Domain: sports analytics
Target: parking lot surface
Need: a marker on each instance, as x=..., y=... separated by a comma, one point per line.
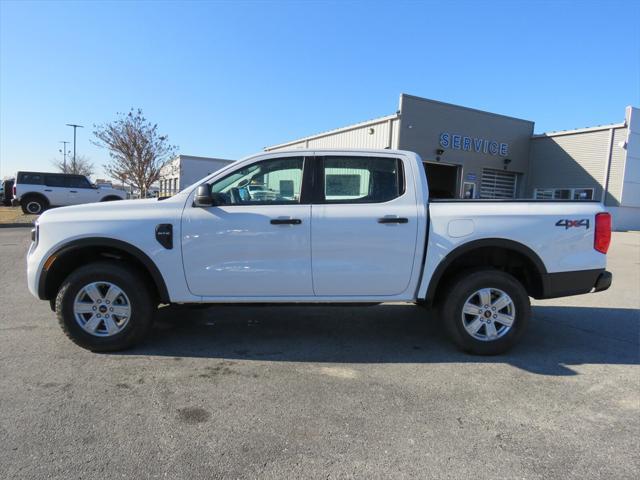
x=323, y=392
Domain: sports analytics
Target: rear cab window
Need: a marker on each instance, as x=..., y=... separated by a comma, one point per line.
x=351, y=179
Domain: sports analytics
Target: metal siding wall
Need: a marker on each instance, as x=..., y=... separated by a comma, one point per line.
x=573, y=160
x=356, y=138
x=292, y=146
x=616, y=171
x=395, y=128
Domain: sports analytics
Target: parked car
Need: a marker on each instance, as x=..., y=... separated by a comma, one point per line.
x=351, y=227
x=37, y=191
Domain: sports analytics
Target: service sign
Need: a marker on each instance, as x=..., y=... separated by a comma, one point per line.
x=455, y=141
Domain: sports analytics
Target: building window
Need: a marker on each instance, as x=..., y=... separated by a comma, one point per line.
x=563, y=193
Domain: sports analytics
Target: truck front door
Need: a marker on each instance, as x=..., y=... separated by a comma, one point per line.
x=363, y=226
x=256, y=242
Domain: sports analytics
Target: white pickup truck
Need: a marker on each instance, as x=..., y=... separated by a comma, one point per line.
x=337, y=226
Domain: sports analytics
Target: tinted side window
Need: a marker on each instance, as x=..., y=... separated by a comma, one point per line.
x=276, y=181
x=78, y=182
x=54, y=181
x=362, y=179
x=30, y=178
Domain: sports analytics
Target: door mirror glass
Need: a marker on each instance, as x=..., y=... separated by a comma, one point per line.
x=203, y=196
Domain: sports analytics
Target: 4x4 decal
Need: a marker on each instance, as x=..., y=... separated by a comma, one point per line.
x=567, y=223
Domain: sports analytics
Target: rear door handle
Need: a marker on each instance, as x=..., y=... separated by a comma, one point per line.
x=393, y=220
x=73, y=191
x=48, y=190
x=286, y=221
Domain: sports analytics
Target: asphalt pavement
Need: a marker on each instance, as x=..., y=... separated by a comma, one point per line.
x=323, y=392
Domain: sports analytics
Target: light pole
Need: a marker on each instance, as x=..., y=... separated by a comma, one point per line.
x=64, y=152
x=74, y=140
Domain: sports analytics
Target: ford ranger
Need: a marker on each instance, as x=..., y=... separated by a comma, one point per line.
x=323, y=227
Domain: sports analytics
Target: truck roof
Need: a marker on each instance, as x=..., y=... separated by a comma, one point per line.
x=305, y=151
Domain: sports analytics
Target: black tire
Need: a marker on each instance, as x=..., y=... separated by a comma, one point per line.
x=462, y=288
x=141, y=302
x=111, y=198
x=33, y=204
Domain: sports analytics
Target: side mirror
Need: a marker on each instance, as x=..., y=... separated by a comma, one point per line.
x=203, y=196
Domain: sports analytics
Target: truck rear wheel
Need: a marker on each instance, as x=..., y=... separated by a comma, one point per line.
x=104, y=307
x=486, y=312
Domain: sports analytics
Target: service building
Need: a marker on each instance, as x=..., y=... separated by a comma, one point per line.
x=470, y=153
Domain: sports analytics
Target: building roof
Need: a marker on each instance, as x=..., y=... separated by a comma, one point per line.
x=579, y=130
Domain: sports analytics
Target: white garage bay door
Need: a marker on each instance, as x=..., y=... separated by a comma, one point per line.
x=498, y=184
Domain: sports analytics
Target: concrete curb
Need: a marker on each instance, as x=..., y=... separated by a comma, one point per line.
x=16, y=225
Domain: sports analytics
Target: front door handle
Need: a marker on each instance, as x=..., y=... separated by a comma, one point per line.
x=393, y=220
x=48, y=190
x=286, y=221
x=73, y=191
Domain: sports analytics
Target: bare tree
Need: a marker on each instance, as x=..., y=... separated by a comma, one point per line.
x=81, y=166
x=136, y=149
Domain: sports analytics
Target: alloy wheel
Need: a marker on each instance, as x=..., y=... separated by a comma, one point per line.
x=488, y=314
x=102, y=309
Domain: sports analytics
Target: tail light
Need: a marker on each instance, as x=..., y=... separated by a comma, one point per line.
x=602, y=237
x=14, y=190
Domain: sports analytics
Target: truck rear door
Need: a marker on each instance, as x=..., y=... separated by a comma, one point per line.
x=56, y=190
x=363, y=226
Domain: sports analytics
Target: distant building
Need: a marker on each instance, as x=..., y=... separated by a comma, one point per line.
x=469, y=153
x=185, y=170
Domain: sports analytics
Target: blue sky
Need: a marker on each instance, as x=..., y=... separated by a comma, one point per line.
x=228, y=78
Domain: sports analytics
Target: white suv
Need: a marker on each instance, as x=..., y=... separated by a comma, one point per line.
x=37, y=191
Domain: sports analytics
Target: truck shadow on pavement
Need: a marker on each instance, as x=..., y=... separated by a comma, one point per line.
x=557, y=338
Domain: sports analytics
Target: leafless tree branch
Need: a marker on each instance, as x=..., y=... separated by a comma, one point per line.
x=136, y=149
x=82, y=166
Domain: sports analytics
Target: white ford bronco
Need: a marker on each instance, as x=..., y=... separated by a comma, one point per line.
x=316, y=227
x=37, y=191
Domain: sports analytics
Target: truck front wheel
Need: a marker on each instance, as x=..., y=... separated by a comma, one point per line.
x=486, y=311
x=104, y=307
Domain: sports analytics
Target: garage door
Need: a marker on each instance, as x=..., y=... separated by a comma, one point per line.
x=498, y=184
